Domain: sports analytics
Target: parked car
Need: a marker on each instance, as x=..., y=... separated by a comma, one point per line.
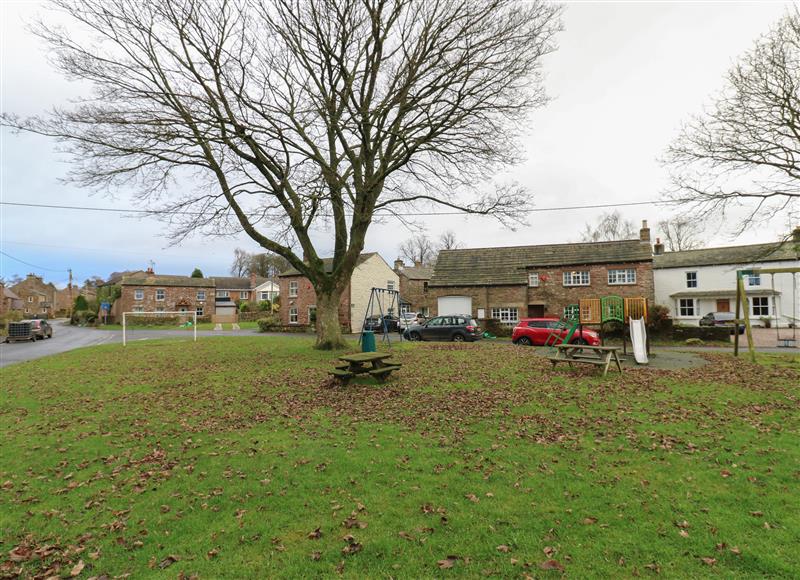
x=375, y=324
x=409, y=318
x=455, y=327
x=41, y=329
x=534, y=331
x=721, y=319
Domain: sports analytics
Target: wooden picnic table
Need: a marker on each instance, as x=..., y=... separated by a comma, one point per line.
x=372, y=363
x=586, y=354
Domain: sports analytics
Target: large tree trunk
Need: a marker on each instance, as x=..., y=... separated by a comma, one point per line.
x=329, y=331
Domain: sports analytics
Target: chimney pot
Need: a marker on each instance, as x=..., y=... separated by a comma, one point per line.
x=417, y=263
x=658, y=247
x=150, y=270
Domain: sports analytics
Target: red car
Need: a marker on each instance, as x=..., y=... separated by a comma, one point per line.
x=534, y=331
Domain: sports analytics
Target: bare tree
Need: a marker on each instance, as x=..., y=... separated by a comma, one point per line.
x=241, y=263
x=681, y=233
x=297, y=116
x=448, y=241
x=418, y=249
x=609, y=227
x=745, y=151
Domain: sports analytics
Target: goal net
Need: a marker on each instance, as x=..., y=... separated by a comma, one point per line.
x=148, y=324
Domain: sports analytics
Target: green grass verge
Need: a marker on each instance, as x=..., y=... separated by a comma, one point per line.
x=236, y=457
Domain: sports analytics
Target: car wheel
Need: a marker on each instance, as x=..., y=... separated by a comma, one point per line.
x=524, y=341
x=414, y=336
x=458, y=337
x=579, y=341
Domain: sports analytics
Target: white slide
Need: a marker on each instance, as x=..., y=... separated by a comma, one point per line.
x=639, y=340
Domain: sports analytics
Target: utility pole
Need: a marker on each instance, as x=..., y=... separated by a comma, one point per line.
x=71, y=300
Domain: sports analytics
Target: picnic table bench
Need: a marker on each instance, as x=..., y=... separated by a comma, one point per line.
x=600, y=356
x=373, y=363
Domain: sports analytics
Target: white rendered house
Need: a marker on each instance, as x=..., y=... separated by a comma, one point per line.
x=693, y=283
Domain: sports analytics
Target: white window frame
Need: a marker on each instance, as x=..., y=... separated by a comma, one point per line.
x=30, y=299
x=244, y=295
x=199, y=310
x=695, y=281
x=577, y=278
x=572, y=311
x=294, y=287
x=622, y=276
x=222, y=294
x=390, y=285
x=293, y=315
x=533, y=279
x=201, y=295
x=264, y=295
x=766, y=304
x=163, y=293
x=506, y=314
x=754, y=280
x=138, y=294
x=138, y=309
x=691, y=303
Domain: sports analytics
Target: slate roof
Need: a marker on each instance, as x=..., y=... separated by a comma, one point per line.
x=229, y=283
x=773, y=252
x=509, y=265
x=9, y=293
x=417, y=272
x=328, y=262
x=145, y=279
x=722, y=293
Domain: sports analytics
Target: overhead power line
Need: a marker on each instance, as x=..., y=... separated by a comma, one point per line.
x=31, y=265
x=411, y=214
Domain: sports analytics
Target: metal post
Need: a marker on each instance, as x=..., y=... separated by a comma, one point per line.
x=738, y=310
x=195, y=325
x=124, y=342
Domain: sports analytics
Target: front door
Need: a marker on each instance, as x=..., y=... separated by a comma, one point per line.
x=724, y=305
x=535, y=310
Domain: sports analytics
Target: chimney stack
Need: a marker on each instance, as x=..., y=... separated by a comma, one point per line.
x=398, y=265
x=417, y=263
x=252, y=279
x=150, y=270
x=644, y=233
x=658, y=247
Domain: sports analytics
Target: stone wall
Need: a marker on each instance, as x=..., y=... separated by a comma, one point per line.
x=415, y=292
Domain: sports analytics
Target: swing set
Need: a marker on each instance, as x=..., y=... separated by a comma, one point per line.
x=386, y=303
x=742, y=307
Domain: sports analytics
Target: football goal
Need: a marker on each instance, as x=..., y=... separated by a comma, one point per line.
x=174, y=320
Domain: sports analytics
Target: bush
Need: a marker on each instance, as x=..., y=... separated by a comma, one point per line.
x=265, y=306
x=658, y=320
x=269, y=323
x=495, y=327
x=81, y=303
x=244, y=307
x=83, y=318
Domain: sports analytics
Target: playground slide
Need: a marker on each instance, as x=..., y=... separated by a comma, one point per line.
x=639, y=340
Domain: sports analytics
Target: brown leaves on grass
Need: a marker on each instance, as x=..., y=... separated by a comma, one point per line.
x=315, y=535
x=352, y=547
x=551, y=565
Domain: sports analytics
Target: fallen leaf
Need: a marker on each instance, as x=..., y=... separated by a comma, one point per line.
x=406, y=536
x=709, y=561
x=589, y=521
x=756, y=514
x=503, y=548
x=212, y=553
x=316, y=555
x=725, y=473
x=315, y=535
x=549, y=551
x=551, y=565
x=20, y=554
x=448, y=562
x=350, y=549
x=736, y=551
x=77, y=568
x=168, y=561
x=684, y=533
x=472, y=497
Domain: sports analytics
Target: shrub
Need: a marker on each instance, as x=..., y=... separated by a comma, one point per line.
x=265, y=306
x=244, y=306
x=81, y=303
x=83, y=317
x=269, y=323
x=695, y=342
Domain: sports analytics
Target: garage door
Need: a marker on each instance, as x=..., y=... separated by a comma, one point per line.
x=455, y=305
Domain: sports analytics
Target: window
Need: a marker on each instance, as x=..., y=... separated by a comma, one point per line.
x=138, y=308
x=30, y=299
x=293, y=315
x=505, y=315
x=626, y=276
x=44, y=310
x=577, y=278
x=161, y=294
x=533, y=279
x=264, y=296
x=41, y=298
x=686, y=307
x=201, y=294
x=691, y=279
x=292, y=289
x=760, y=305
x=424, y=286
x=223, y=294
x=572, y=312
x=199, y=310
x=390, y=284
x=244, y=295
x=754, y=280
x=425, y=311
x=312, y=314
x=160, y=309
x=138, y=294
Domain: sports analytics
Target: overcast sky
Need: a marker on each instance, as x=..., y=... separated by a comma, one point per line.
x=623, y=79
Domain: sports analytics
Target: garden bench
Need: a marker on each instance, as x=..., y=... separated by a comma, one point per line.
x=383, y=373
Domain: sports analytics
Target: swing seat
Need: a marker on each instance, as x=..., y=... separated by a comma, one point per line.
x=787, y=342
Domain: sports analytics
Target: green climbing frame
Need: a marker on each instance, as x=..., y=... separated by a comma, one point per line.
x=612, y=308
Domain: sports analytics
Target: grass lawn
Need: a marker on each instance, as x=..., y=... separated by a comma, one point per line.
x=235, y=457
